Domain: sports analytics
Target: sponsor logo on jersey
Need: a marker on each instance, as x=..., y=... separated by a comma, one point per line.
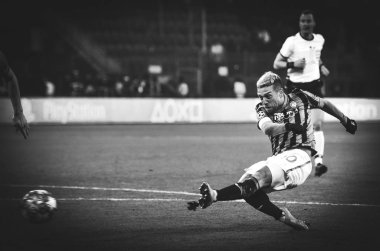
x=278, y=117
x=281, y=116
x=291, y=114
x=260, y=115
x=291, y=158
x=293, y=104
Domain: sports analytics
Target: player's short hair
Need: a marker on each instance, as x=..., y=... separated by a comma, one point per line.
x=268, y=79
x=307, y=12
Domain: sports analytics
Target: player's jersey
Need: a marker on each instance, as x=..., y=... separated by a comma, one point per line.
x=295, y=47
x=298, y=110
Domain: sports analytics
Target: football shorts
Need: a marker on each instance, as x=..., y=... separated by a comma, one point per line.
x=289, y=169
x=314, y=87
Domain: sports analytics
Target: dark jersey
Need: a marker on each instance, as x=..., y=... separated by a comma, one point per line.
x=298, y=110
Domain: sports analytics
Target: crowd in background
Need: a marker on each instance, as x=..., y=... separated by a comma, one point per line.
x=48, y=63
x=78, y=84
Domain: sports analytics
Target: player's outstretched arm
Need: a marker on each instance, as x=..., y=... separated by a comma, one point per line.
x=330, y=108
x=19, y=120
x=323, y=69
x=10, y=79
x=350, y=125
x=281, y=62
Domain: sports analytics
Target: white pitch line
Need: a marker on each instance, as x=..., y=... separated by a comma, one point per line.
x=107, y=199
x=177, y=199
x=167, y=199
x=105, y=189
x=326, y=203
x=120, y=199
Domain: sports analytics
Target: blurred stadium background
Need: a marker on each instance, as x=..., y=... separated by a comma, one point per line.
x=147, y=48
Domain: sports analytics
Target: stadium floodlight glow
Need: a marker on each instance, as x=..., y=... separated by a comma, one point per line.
x=264, y=36
x=155, y=69
x=223, y=71
x=217, y=49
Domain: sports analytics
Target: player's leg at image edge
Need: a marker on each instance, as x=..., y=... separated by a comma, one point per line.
x=248, y=191
x=320, y=168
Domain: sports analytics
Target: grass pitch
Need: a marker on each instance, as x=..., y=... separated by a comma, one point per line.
x=125, y=187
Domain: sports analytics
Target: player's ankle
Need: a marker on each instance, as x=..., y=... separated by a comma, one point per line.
x=214, y=195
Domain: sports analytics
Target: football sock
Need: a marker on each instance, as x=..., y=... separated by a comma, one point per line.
x=231, y=192
x=261, y=202
x=319, y=146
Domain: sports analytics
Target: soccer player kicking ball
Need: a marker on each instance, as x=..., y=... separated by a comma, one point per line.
x=286, y=119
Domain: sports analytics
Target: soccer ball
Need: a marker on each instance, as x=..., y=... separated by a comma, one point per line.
x=38, y=206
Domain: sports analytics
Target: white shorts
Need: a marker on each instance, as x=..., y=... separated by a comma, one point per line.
x=317, y=115
x=289, y=169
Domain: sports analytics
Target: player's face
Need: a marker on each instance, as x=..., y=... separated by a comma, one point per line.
x=306, y=23
x=271, y=99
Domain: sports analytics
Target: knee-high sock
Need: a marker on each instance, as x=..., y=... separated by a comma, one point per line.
x=319, y=146
x=231, y=192
x=261, y=202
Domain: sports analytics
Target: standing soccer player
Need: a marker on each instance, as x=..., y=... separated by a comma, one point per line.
x=8, y=77
x=301, y=56
x=286, y=119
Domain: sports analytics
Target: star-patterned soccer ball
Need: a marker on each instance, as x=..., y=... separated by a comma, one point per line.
x=38, y=206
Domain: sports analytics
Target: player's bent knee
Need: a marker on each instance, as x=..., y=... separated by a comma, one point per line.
x=263, y=175
x=249, y=187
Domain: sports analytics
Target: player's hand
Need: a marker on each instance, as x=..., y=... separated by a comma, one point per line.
x=351, y=126
x=19, y=121
x=325, y=72
x=296, y=128
x=300, y=63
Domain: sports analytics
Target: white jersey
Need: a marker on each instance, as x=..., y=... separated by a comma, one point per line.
x=295, y=47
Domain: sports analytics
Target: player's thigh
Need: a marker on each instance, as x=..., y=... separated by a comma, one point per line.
x=268, y=176
x=257, y=170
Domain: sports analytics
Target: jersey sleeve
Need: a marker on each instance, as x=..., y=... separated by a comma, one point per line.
x=287, y=47
x=321, y=39
x=314, y=100
x=262, y=116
